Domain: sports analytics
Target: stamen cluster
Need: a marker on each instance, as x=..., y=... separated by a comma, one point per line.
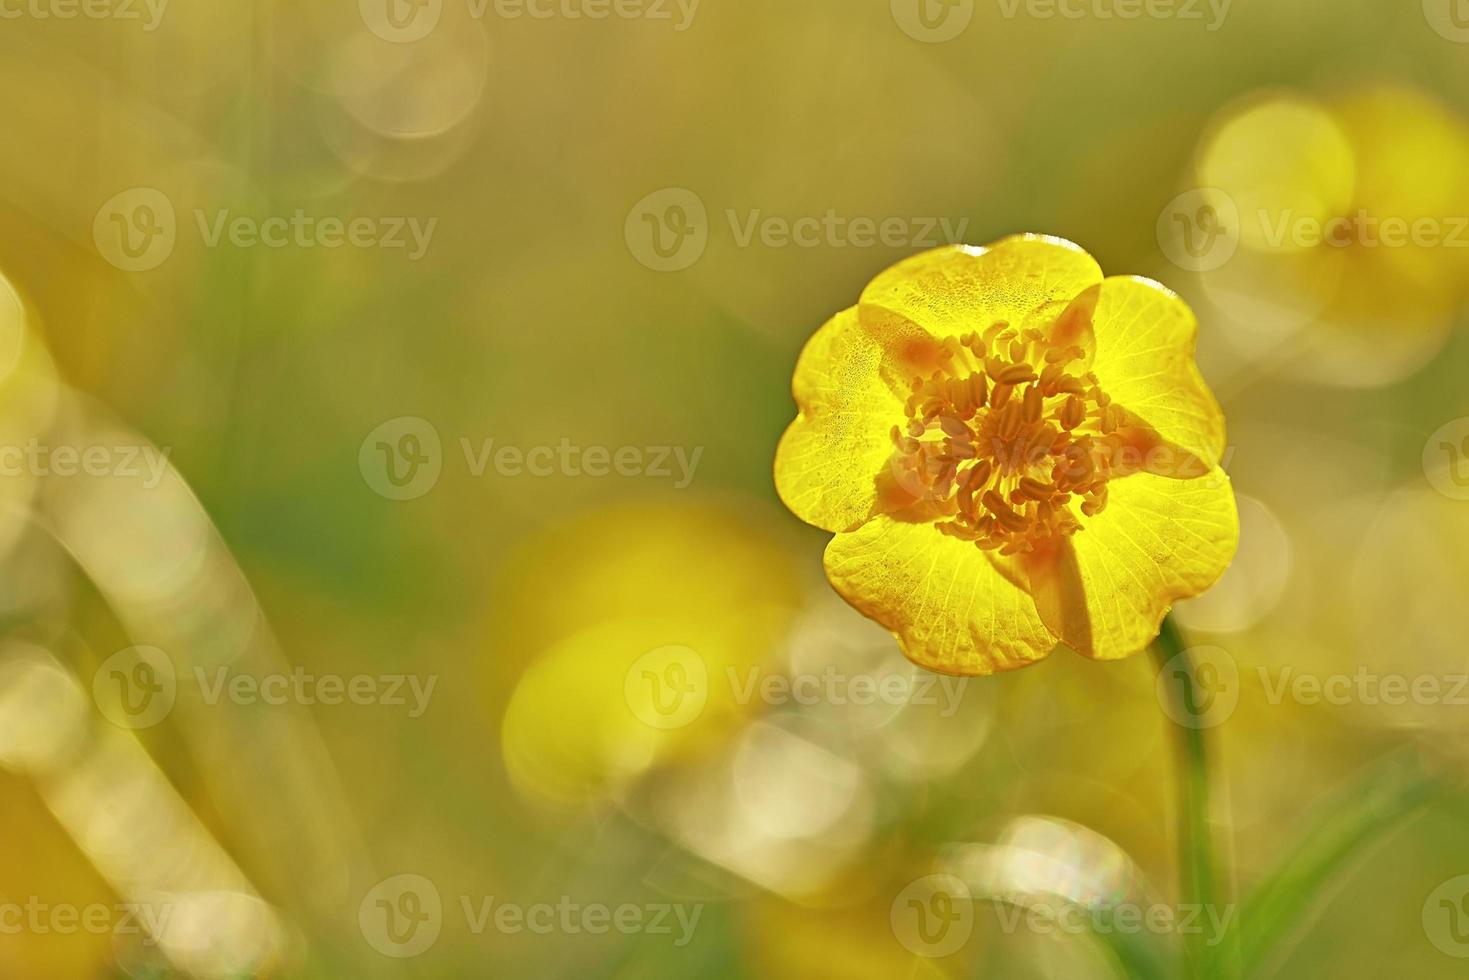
x=1004, y=436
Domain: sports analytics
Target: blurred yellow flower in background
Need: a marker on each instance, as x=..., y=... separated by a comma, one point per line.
x=1353, y=215
x=631, y=616
x=976, y=410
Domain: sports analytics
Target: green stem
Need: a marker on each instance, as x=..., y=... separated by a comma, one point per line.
x=1200, y=885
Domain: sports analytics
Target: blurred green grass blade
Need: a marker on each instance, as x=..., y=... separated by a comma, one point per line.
x=1136, y=953
x=1140, y=954
x=1282, y=905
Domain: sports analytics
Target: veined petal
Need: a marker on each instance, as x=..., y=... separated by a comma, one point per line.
x=1158, y=540
x=828, y=461
x=952, y=290
x=952, y=611
x=1144, y=361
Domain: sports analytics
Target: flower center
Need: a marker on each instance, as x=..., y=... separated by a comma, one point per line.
x=1003, y=435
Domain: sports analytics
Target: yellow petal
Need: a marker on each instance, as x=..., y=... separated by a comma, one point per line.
x=1158, y=540
x=952, y=611
x=829, y=458
x=958, y=288
x=1144, y=360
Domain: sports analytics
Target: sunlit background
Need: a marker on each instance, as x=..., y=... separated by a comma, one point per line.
x=391, y=579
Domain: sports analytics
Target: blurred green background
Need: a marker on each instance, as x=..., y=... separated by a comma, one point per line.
x=600, y=267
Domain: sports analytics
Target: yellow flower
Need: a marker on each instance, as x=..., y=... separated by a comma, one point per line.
x=1353, y=222
x=1013, y=452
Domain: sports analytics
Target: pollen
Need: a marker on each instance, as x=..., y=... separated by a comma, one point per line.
x=1008, y=437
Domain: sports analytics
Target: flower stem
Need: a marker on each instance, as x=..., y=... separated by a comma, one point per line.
x=1200, y=884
